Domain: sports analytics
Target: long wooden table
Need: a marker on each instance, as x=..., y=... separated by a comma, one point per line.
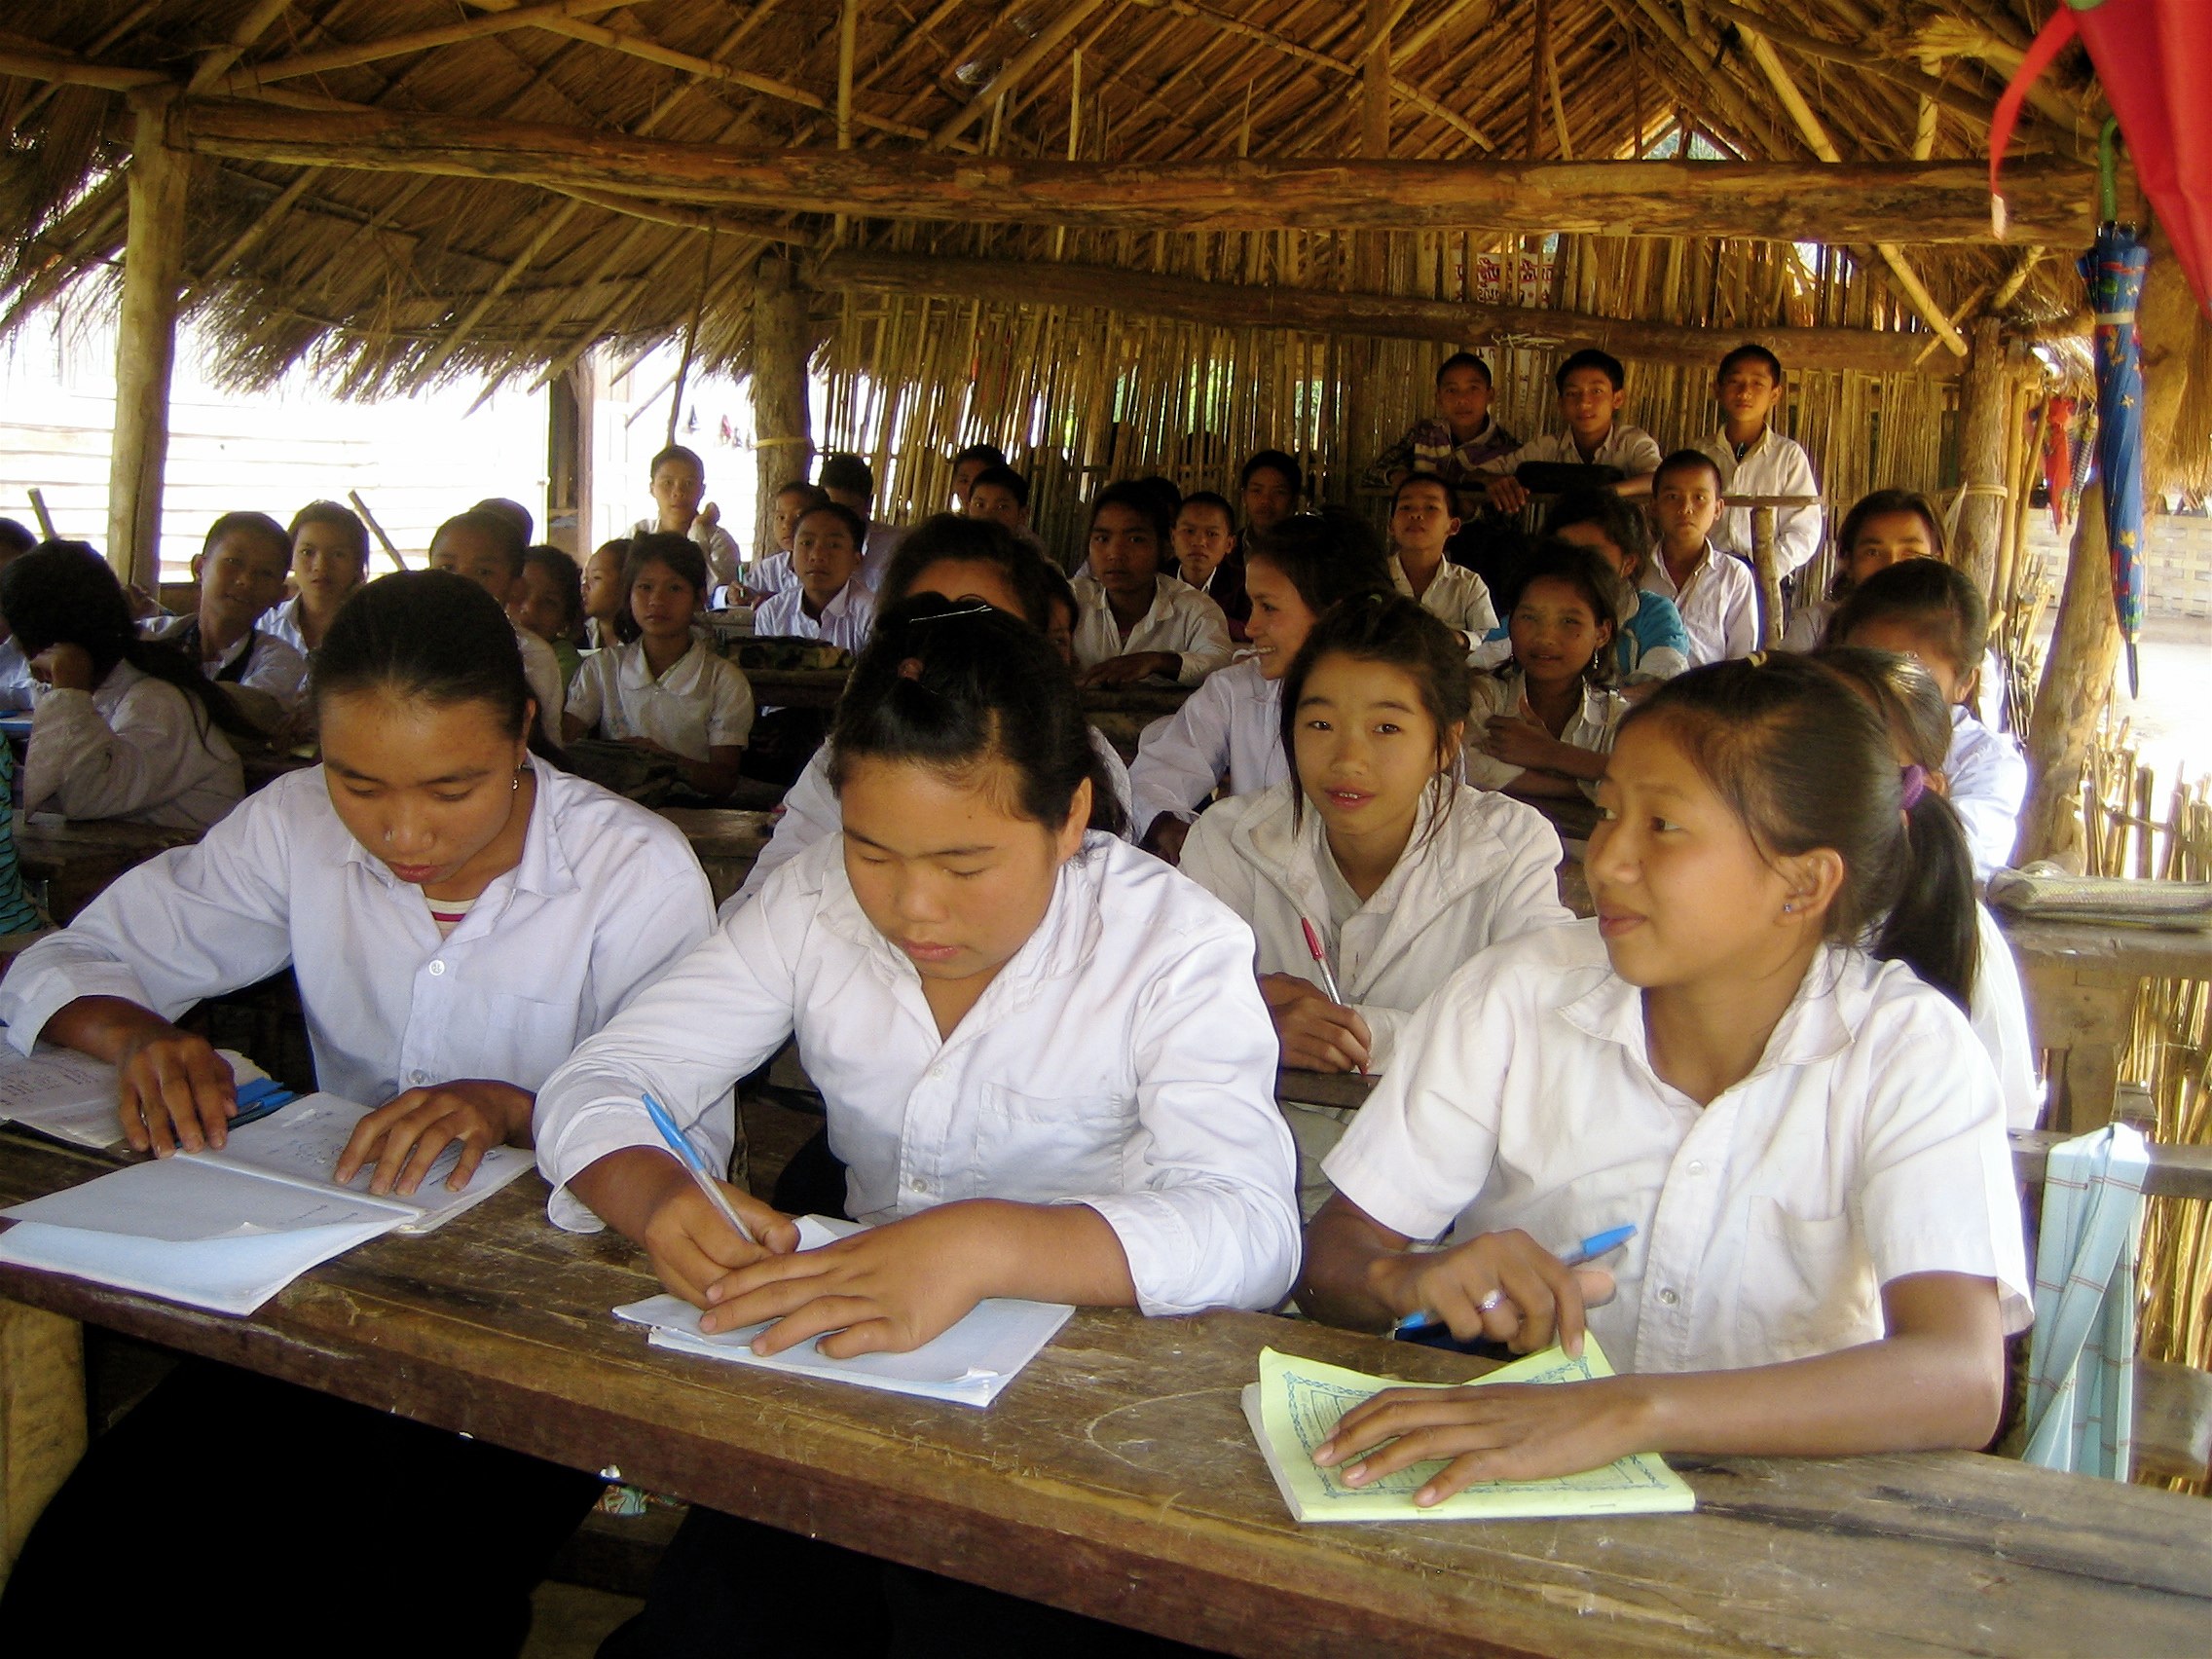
x=1117, y=1476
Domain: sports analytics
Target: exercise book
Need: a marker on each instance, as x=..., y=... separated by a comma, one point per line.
x=74, y=1098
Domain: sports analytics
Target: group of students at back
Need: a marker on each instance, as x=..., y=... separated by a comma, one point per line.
x=1048, y=1061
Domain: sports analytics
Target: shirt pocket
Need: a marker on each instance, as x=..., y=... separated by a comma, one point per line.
x=1035, y=1148
x=1808, y=1285
x=514, y=1039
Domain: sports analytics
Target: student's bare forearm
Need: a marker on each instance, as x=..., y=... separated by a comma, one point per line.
x=1336, y=1282
x=104, y=1027
x=1569, y=761
x=624, y=1188
x=1055, y=1253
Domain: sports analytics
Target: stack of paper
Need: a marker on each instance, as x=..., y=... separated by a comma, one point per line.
x=1296, y=1404
x=228, y=1230
x=72, y=1097
x=968, y=1365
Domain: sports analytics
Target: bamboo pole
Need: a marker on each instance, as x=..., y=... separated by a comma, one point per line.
x=1985, y=400
x=781, y=433
x=145, y=344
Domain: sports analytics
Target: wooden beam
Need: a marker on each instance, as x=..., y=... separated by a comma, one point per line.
x=1874, y=61
x=241, y=81
x=782, y=429
x=1446, y=322
x=1986, y=402
x=72, y=72
x=145, y=343
x=1932, y=202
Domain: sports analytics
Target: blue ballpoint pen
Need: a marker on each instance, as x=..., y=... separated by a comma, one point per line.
x=687, y=1155
x=1589, y=1249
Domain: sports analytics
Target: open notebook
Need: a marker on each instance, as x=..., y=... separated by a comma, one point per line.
x=228, y=1230
x=968, y=1364
x=1296, y=1405
x=72, y=1097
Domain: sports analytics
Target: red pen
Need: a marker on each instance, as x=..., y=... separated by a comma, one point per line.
x=1328, y=976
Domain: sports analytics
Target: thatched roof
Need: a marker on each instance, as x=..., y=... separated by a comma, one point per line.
x=389, y=279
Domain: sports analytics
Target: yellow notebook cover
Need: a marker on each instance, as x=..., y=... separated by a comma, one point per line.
x=1296, y=1404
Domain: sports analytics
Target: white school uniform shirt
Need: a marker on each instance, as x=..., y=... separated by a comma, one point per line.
x=1998, y=1011
x=1867, y=1144
x=1227, y=734
x=844, y=621
x=1457, y=598
x=1774, y=465
x=1988, y=779
x=18, y=688
x=774, y=573
x=1593, y=726
x=1122, y=1058
x=134, y=746
x=1719, y=604
x=1632, y=449
x=1182, y=620
x=282, y=621
x=811, y=812
x=715, y=544
x=703, y=701
x=877, y=547
x=606, y=897
x=272, y=665
x=1807, y=624
x=547, y=684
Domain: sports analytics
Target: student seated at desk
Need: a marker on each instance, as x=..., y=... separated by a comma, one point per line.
x=667, y=690
x=1756, y=459
x=1884, y=527
x=1919, y=722
x=1755, y=1055
x=126, y=728
x=850, y=482
x=330, y=560
x=1455, y=443
x=1267, y=487
x=1593, y=391
x=549, y=603
x=1203, y=540
x=1228, y=734
x=1401, y=871
x=606, y=618
x=241, y=572
x=459, y=915
x=1546, y=715
x=954, y=558
x=487, y=546
x=1422, y=522
x=828, y=603
x=18, y=688
x=968, y=469
x=1138, y=619
x=678, y=479
x=1042, y=1054
x=1935, y=613
x=1717, y=596
x=773, y=574
x=1652, y=643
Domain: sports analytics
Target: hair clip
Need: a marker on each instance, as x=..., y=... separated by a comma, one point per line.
x=970, y=605
x=1757, y=659
x=1915, y=785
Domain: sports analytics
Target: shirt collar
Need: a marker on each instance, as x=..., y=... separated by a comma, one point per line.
x=544, y=868
x=1823, y=1018
x=681, y=678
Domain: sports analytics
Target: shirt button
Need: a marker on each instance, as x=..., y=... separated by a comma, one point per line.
x=1697, y=1169
x=1668, y=1298
x=419, y=1077
x=437, y=967
x=918, y=1185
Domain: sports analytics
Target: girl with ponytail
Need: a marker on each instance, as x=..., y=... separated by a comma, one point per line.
x=1754, y=1055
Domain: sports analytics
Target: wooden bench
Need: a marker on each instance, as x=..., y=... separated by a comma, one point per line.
x=726, y=841
x=1117, y=1476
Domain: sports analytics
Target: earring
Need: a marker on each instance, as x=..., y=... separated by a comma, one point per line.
x=1786, y=908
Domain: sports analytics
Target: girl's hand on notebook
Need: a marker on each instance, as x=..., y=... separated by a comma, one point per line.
x=177, y=1091
x=1508, y=1432
x=409, y=1133
x=1501, y=1285
x=888, y=1290
x=1316, y=1033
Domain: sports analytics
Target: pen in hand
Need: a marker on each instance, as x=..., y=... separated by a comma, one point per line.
x=1328, y=974
x=1596, y=1246
x=688, y=1156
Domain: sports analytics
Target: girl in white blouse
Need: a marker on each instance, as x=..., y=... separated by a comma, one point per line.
x=1547, y=714
x=1803, y=1129
x=1042, y=1057
x=126, y=728
x=1401, y=872
x=570, y=899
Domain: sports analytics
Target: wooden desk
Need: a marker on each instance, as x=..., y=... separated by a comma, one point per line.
x=1117, y=1476
x=727, y=841
x=78, y=859
x=2084, y=980
x=1121, y=712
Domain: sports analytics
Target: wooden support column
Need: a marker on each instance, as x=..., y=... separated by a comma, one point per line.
x=145, y=344
x=41, y=1416
x=1370, y=249
x=2077, y=676
x=781, y=425
x=1768, y=567
x=1985, y=405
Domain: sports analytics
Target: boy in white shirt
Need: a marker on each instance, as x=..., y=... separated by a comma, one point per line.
x=241, y=573
x=679, y=480
x=1716, y=594
x=828, y=604
x=1593, y=391
x=1756, y=459
x=772, y=574
x=967, y=466
x=850, y=482
x=1422, y=522
x=1134, y=620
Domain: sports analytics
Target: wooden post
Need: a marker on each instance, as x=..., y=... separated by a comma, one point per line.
x=782, y=429
x=2077, y=676
x=1769, y=568
x=41, y=1416
x=1985, y=401
x=145, y=344
x=1370, y=249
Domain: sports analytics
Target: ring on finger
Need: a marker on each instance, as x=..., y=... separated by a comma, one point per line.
x=1491, y=1302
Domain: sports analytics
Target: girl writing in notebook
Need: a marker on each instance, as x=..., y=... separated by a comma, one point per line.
x=1042, y=1054
x=457, y=916
x=1755, y=1055
x=1227, y=732
x=128, y=727
x=1370, y=873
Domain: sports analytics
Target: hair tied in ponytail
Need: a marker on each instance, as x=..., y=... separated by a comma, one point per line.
x=1915, y=785
x=1757, y=659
